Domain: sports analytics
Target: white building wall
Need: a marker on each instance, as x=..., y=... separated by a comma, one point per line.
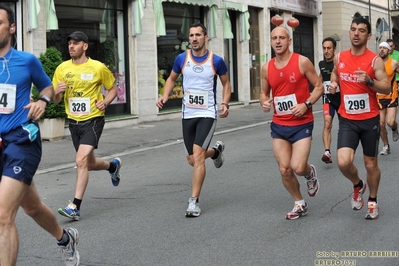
x=338, y=15
x=143, y=52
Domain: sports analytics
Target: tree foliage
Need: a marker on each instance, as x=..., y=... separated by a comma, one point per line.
x=50, y=60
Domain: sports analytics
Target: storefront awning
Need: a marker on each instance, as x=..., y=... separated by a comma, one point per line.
x=51, y=15
x=244, y=23
x=138, y=14
x=33, y=13
x=193, y=2
x=160, y=19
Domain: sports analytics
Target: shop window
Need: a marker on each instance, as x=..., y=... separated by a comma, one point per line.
x=178, y=18
x=102, y=21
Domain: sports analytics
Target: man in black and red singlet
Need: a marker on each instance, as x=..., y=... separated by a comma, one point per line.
x=360, y=74
x=331, y=102
x=287, y=76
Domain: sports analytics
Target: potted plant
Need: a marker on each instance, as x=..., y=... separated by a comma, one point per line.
x=52, y=123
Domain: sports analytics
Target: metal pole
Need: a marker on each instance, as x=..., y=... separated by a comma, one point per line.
x=389, y=19
x=370, y=11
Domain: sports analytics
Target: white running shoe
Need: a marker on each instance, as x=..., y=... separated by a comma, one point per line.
x=385, y=150
x=193, y=209
x=70, y=253
x=313, y=183
x=218, y=162
x=395, y=135
x=357, y=200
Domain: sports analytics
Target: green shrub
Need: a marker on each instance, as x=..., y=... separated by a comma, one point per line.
x=50, y=60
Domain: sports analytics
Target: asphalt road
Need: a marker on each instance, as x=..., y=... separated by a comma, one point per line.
x=244, y=203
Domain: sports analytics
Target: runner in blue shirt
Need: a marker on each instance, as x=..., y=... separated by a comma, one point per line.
x=21, y=148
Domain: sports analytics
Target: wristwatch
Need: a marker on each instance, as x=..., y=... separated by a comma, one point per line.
x=45, y=98
x=308, y=104
x=370, y=83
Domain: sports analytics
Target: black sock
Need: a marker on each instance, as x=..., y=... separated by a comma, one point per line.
x=328, y=150
x=112, y=167
x=216, y=155
x=373, y=199
x=77, y=202
x=360, y=184
x=64, y=239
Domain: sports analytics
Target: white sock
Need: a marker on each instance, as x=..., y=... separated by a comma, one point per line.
x=300, y=202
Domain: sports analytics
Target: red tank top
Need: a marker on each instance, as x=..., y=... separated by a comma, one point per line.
x=358, y=101
x=289, y=87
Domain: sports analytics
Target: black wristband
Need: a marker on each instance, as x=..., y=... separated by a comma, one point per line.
x=370, y=83
x=308, y=104
x=45, y=99
x=226, y=104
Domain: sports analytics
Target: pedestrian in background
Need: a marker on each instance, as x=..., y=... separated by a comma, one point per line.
x=331, y=102
x=394, y=54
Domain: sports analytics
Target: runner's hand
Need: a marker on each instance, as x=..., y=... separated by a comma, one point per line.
x=267, y=105
x=161, y=101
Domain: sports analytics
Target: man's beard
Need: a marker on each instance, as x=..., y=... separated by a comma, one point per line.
x=4, y=42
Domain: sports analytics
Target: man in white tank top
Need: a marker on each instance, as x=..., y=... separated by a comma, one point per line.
x=199, y=68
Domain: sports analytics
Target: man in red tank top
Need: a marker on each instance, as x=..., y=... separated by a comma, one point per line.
x=287, y=77
x=360, y=74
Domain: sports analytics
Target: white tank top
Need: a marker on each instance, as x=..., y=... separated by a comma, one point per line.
x=199, y=87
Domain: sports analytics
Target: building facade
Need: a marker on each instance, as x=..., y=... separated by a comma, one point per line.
x=138, y=40
x=382, y=14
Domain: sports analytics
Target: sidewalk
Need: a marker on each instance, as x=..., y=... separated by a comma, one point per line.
x=60, y=154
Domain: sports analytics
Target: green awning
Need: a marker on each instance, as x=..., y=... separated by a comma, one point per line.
x=244, y=23
x=106, y=19
x=33, y=11
x=138, y=14
x=235, y=6
x=212, y=19
x=51, y=15
x=160, y=27
x=193, y=2
x=244, y=26
x=160, y=19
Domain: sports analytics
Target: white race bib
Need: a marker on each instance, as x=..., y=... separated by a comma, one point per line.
x=79, y=106
x=196, y=99
x=357, y=103
x=282, y=104
x=8, y=95
x=326, y=85
x=86, y=76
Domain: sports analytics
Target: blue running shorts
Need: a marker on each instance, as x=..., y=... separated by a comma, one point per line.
x=21, y=152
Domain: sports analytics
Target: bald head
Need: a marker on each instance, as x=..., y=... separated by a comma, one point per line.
x=280, y=30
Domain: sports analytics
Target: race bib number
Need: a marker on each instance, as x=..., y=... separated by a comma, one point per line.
x=326, y=87
x=357, y=103
x=79, y=106
x=8, y=95
x=86, y=76
x=196, y=99
x=282, y=104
